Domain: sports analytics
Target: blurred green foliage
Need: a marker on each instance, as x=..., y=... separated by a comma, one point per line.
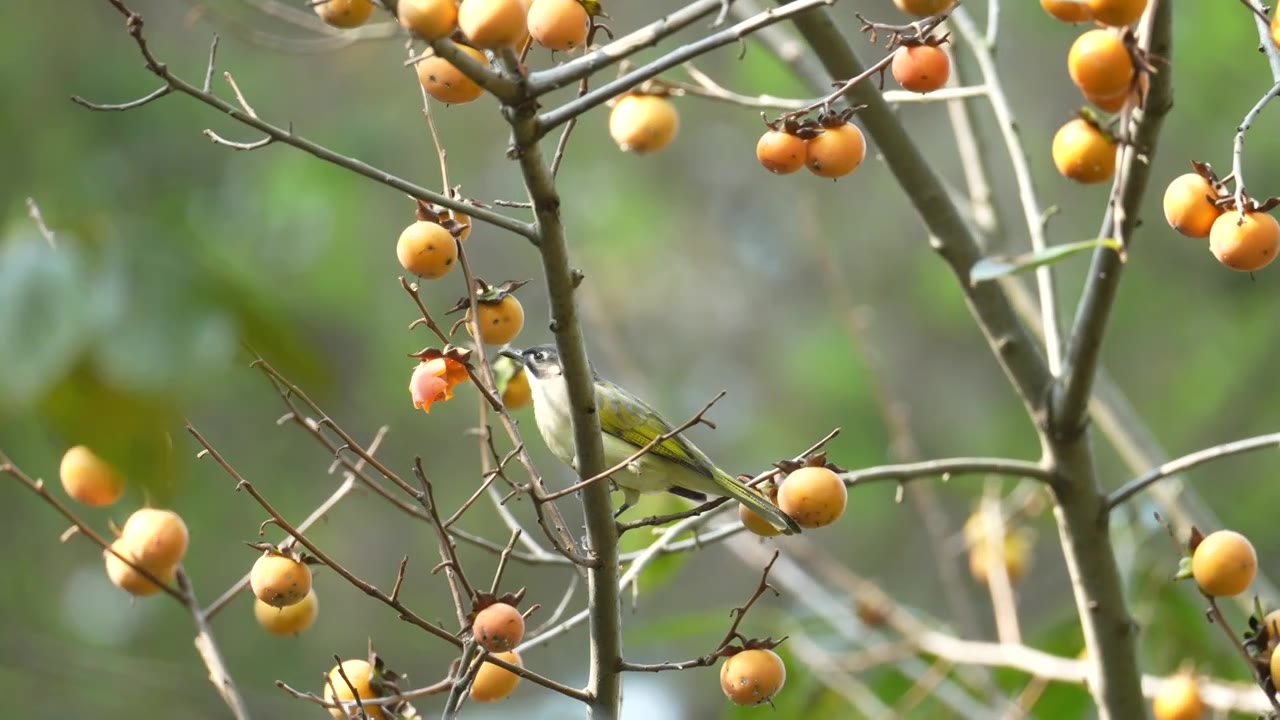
x=173, y=257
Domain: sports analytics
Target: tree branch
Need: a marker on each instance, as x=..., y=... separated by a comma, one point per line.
x=218, y=674
x=1186, y=462
x=946, y=468
x=573, y=108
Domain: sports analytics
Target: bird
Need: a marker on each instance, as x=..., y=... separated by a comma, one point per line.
x=628, y=424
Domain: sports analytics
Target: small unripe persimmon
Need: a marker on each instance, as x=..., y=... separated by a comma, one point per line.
x=837, y=152
x=498, y=627
x=344, y=13
x=752, y=677
x=492, y=24
x=1116, y=13
x=428, y=19
x=359, y=676
x=1099, y=64
x=500, y=322
x=643, y=123
x=813, y=496
x=1178, y=699
x=157, y=538
x=780, y=152
x=445, y=82
x=1188, y=205
x=921, y=68
x=427, y=250
x=1245, y=246
x=1083, y=152
x=89, y=479
x=1224, y=563
x=279, y=580
x=493, y=683
x=518, y=393
x=290, y=619
x=558, y=24
x=128, y=579
x=1071, y=11
x=922, y=8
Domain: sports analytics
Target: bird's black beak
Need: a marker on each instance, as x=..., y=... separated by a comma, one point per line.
x=514, y=354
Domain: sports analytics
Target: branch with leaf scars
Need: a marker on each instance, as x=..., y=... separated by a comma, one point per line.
x=545, y=81
x=947, y=468
x=713, y=504
x=134, y=25
x=348, y=483
x=698, y=418
x=552, y=119
x=1186, y=462
x=1070, y=395
x=463, y=594
x=724, y=648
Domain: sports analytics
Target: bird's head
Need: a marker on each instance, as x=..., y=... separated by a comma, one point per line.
x=541, y=361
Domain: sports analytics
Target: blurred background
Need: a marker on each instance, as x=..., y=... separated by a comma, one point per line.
x=807, y=300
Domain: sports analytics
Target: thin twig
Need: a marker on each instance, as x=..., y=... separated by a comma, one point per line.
x=33, y=211
x=1237, y=145
x=208, y=649
x=1186, y=462
x=463, y=593
x=947, y=468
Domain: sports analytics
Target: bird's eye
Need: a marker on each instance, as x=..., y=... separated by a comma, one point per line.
x=540, y=355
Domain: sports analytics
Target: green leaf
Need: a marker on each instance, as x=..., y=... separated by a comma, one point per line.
x=44, y=319
x=1000, y=265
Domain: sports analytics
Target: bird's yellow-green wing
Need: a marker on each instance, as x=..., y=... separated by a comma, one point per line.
x=628, y=418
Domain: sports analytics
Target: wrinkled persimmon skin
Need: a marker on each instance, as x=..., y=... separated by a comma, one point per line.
x=752, y=677
x=1099, y=64
x=1224, y=563
x=1246, y=245
x=1188, y=205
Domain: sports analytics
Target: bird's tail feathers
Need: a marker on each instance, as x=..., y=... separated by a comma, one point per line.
x=757, y=503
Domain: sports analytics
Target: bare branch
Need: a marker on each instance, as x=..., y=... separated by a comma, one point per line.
x=947, y=468
x=1186, y=462
x=219, y=140
x=1237, y=145
x=218, y=674
x=130, y=105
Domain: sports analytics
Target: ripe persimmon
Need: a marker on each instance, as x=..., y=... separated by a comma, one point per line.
x=428, y=19
x=157, y=538
x=280, y=580
x=1099, y=64
x=357, y=683
x=127, y=578
x=427, y=250
x=518, y=393
x=344, y=13
x=836, y=152
x=1083, y=152
x=1178, y=698
x=1116, y=13
x=89, y=479
x=1246, y=244
x=642, y=123
x=290, y=619
x=752, y=521
x=493, y=683
x=558, y=24
x=922, y=8
x=780, y=152
x=813, y=496
x=498, y=627
x=445, y=82
x=752, y=677
x=492, y=24
x=1071, y=11
x=921, y=68
x=499, y=321
x=1188, y=205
